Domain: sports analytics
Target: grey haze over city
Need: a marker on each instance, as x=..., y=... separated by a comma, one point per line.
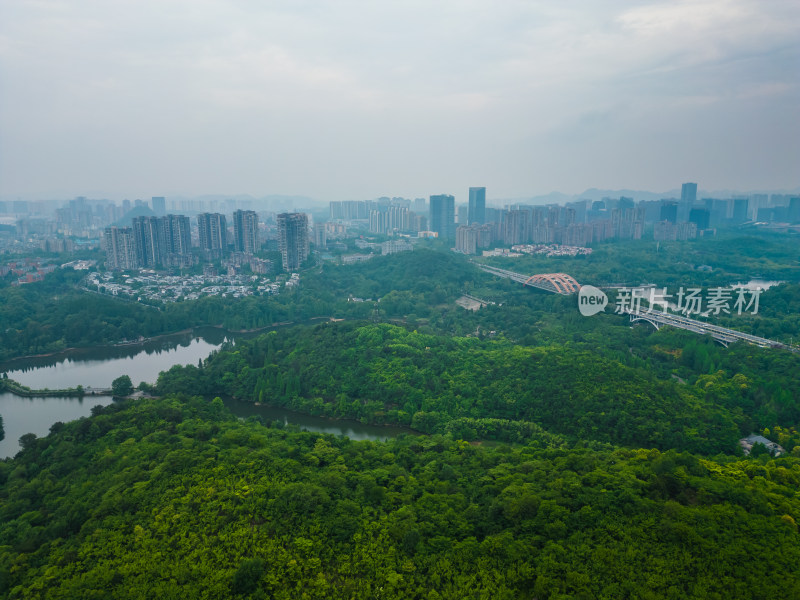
x=341, y=100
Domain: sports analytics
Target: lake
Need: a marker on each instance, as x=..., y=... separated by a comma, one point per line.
x=98, y=367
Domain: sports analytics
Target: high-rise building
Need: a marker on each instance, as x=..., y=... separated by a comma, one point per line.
x=477, y=205
x=160, y=240
x=443, y=216
x=293, y=231
x=740, y=210
x=700, y=217
x=628, y=223
x=320, y=235
x=120, y=248
x=689, y=193
x=350, y=210
x=669, y=211
x=462, y=214
x=389, y=219
x=245, y=231
x=213, y=232
x=467, y=239
x=159, y=204
x=149, y=241
x=794, y=210
x=177, y=234
x=517, y=226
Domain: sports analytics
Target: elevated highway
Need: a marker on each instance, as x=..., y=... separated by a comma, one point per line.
x=561, y=283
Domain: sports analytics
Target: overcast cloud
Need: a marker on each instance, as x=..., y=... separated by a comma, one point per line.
x=347, y=99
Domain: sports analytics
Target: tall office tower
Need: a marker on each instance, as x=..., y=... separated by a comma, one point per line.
x=688, y=199
x=689, y=193
x=213, y=231
x=120, y=248
x=740, y=210
x=245, y=231
x=293, y=230
x=420, y=205
x=159, y=204
x=756, y=201
x=320, y=235
x=721, y=210
x=477, y=205
x=794, y=210
x=149, y=241
x=443, y=216
x=177, y=234
x=669, y=211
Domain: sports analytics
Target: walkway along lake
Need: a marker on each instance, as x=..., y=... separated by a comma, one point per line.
x=99, y=366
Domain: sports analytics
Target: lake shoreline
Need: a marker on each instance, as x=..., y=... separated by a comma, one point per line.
x=143, y=341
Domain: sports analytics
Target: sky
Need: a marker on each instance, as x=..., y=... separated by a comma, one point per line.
x=350, y=99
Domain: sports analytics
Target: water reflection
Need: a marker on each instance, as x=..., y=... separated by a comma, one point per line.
x=37, y=415
x=213, y=336
x=352, y=429
x=99, y=366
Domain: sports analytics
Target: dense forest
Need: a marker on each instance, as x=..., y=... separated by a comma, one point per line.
x=172, y=498
x=495, y=389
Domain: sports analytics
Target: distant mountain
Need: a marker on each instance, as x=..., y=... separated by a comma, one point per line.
x=551, y=198
x=138, y=211
x=590, y=194
x=598, y=194
x=272, y=202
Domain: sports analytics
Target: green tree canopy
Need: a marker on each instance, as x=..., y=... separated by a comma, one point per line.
x=122, y=386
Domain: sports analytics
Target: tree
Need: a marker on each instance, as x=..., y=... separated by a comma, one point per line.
x=27, y=441
x=122, y=386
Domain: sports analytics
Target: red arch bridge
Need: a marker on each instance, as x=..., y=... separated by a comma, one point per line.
x=558, y=283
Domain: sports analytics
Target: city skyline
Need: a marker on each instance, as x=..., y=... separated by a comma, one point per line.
x=132, y=101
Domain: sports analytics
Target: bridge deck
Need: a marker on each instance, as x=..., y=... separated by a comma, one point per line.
x=722, y=334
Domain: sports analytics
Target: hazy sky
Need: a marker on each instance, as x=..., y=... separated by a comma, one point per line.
x=344, y=99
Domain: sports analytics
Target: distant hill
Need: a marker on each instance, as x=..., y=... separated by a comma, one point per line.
x=273, y=202
x=599, y=194
x=139, y=211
